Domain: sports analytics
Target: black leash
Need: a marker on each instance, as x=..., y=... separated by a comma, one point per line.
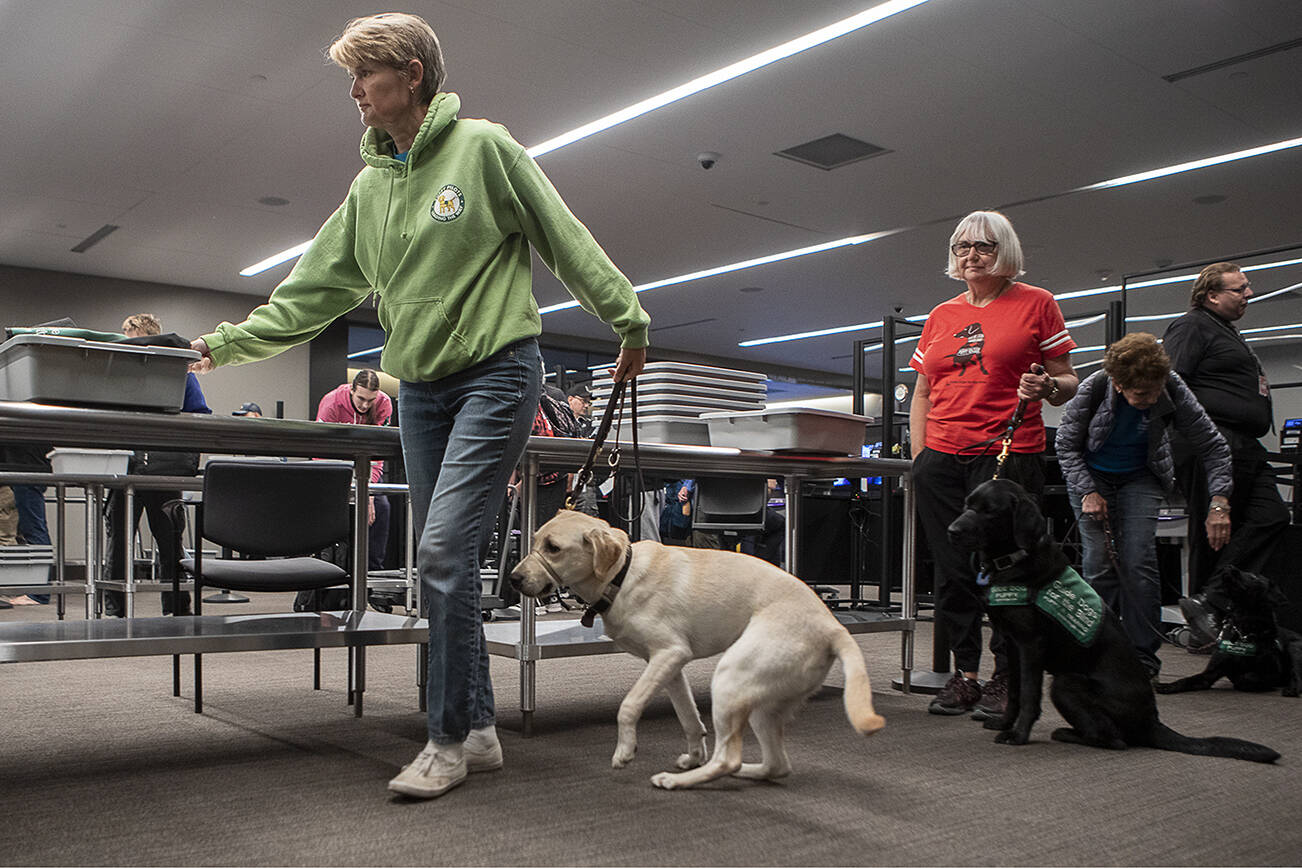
x=584, y=476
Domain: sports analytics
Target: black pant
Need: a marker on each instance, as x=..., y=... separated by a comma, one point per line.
x=941, y=482
x=160, y=526
x=1257, y=513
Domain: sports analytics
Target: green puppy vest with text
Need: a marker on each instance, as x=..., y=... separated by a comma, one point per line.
x=1068, y=599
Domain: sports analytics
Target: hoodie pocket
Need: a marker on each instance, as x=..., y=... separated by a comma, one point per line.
x=420, y=332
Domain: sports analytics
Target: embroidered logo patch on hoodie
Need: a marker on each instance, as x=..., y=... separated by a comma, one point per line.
x=448, y=204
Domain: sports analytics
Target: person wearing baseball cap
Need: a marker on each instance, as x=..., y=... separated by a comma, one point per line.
x=248, y=408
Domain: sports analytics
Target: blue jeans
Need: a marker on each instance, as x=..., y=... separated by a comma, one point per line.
x=30, y=502
x=461, y=438
x=1136, y=594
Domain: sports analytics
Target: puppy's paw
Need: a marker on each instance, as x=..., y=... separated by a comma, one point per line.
x=664, y=780
x=694, y=757
x=623, y=755
x=1011, y=736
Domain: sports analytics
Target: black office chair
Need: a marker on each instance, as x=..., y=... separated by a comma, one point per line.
x=277, y=513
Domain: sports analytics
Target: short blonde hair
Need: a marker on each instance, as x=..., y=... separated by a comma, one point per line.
x=989, y=226
x=1136, y=361
x=392, y=39
x=144, y=323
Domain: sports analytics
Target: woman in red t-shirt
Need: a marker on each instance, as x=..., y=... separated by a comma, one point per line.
x=982, y=351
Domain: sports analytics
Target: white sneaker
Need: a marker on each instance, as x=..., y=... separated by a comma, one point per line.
x=540, y=610
x=482, y=750
x=553, y=608
x=435, y=770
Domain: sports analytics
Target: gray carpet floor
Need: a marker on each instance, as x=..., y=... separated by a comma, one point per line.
x=101, y=765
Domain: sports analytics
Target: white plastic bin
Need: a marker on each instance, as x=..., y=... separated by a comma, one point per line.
x=89, y=462
x=789, y=430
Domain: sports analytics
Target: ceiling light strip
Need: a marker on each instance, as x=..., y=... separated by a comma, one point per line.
x=739, y=266
x=274, y=260
x=719, y=76
x=1192, y=165
x=727, y=73
x=1062, y=296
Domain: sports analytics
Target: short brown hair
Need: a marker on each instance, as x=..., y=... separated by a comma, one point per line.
x=1136, y=361
x=1209, y=279
x=145, y=323
x=392, y=39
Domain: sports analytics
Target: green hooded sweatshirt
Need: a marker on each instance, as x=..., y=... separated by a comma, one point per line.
x=443, y=240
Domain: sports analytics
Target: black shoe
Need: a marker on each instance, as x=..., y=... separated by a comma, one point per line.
x=958, y=696
x=1204, y=621
x=994, y=699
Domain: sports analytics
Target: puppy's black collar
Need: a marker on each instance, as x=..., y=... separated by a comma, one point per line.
x=1001, y=564
x=603, y=603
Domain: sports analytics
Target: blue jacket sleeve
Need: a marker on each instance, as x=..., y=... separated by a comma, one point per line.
x=194, y=401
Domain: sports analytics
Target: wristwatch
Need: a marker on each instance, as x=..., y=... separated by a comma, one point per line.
x=1053, y=393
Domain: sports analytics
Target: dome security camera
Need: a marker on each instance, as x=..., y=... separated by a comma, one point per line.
x=707, y=159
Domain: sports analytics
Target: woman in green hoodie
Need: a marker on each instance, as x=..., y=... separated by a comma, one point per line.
x=438, y=225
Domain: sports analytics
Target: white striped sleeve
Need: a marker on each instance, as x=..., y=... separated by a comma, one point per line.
x=1049, y=344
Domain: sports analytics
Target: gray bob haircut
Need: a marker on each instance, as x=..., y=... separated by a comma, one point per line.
x=989, y=226
x=392, y=39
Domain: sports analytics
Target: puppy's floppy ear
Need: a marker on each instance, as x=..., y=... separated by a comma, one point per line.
x=1028, y=523
x=608, y=545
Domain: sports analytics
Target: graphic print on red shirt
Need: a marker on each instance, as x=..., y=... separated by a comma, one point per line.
x=973, y=358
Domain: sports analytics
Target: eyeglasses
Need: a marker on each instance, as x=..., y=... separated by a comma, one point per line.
x=985, y=248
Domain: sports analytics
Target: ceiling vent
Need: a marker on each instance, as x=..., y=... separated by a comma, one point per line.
x=94, y=238
x=832, y=152
x=1234, y=61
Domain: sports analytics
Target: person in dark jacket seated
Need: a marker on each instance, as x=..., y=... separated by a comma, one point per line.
x=1114, y=447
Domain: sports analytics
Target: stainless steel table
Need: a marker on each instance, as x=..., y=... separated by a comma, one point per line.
x=530, y=641
x=119, y=429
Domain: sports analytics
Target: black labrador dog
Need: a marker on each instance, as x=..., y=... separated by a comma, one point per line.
x=1054, y=622
x=1253, y=651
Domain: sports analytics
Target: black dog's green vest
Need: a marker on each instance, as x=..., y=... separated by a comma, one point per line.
x=1067, y=599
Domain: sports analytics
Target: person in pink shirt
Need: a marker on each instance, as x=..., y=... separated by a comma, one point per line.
x=362, y=403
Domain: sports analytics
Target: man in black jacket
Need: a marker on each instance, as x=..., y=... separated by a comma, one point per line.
x=1215, y=361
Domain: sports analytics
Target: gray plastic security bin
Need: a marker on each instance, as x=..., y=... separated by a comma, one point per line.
x=48, y=369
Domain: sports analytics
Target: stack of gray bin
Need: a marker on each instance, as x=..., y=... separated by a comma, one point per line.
x=25, y=565
x=671, y=396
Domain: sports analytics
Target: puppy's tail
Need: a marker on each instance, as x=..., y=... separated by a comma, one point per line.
x=858, y=692
x=1165, y=738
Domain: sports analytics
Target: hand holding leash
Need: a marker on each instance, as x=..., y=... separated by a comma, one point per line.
x=1036, y=385
x=1093, y=505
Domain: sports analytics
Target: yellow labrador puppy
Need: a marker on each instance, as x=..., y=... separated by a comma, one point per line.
x=669, y=605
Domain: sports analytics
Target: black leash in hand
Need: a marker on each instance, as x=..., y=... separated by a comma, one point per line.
x=584, y=476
